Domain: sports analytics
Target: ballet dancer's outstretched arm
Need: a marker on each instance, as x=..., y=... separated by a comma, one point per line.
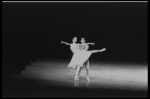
x=69, y=44
x=76, y=43
x=87, y=44
x=64, y=43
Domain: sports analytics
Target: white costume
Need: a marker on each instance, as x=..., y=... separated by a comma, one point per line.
x=80, y=56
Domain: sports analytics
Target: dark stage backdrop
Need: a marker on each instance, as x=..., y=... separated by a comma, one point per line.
x=33, y=31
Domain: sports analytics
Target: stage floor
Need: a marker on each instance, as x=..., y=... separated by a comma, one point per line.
x=107, y=80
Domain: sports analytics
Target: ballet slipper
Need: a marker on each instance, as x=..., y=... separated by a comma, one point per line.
x=76, y=78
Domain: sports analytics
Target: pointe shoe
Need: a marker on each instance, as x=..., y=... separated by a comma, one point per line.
x=76, y=78
x=70, y=68
x=88, y=79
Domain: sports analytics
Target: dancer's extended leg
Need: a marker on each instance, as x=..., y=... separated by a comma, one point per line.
x=77, y=73
x=87, y=69
x=96, y=51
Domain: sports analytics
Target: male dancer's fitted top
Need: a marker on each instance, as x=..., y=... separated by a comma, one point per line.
x=84, y=47
x=75, y=47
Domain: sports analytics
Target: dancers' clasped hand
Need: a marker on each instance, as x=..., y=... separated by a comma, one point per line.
x=62, y=42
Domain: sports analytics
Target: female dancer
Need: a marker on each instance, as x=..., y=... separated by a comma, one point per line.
x=79, y=56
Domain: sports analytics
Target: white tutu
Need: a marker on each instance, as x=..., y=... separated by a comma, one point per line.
x=81, y=55
x=79, y=58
